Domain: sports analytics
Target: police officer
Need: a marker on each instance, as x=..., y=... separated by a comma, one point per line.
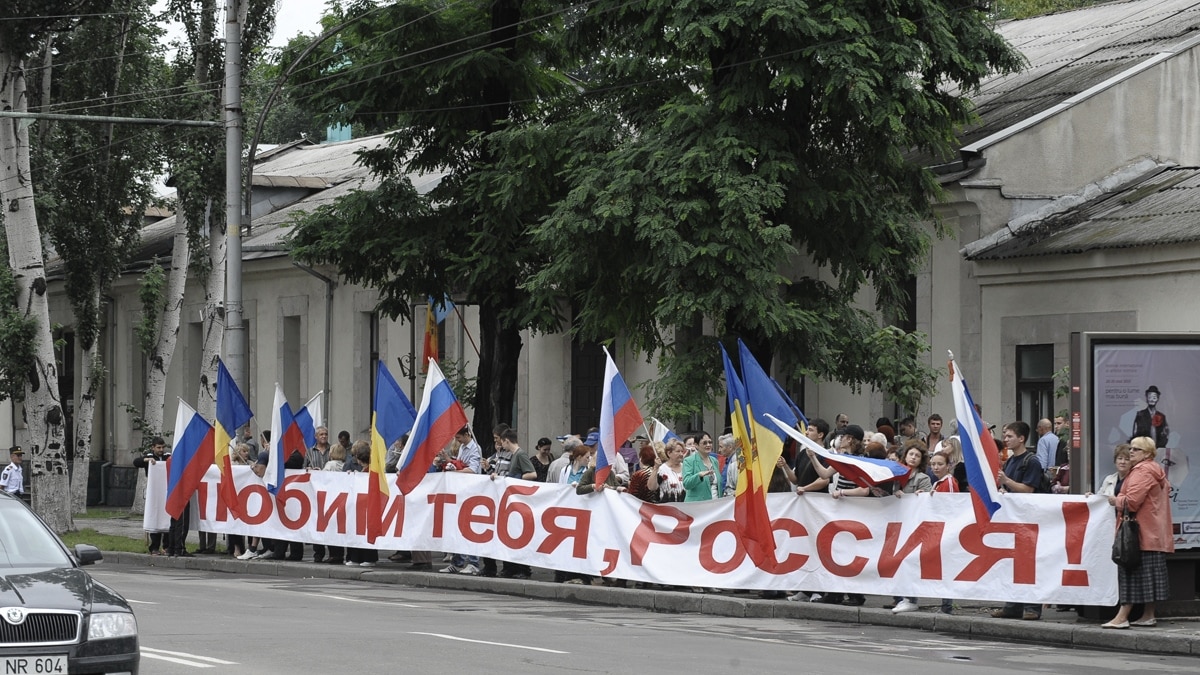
x=12, y=479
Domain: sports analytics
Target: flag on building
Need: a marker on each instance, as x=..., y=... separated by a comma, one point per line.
x=864, y=471
x=190, y=458
x=392, y=416
x=429, y=351
x=619, y=418
x=980, y=455
x=438, y=419
x=232, y=414
x=286, y=439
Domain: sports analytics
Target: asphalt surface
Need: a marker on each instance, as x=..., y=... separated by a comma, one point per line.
x=1174, y=635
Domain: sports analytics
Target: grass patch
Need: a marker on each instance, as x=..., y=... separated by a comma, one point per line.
x=104, y=542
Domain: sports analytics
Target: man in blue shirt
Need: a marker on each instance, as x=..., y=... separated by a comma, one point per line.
x=1047, y=445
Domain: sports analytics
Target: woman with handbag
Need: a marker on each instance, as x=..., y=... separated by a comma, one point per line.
x=1145, y=494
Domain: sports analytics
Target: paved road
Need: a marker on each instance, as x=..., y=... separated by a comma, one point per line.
x=193, y=619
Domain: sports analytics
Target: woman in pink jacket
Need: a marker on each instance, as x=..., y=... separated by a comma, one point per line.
x=1146, y=492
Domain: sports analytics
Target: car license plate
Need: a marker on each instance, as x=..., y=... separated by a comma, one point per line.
x=31, y=665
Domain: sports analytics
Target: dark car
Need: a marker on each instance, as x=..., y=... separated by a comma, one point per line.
x=54, y=617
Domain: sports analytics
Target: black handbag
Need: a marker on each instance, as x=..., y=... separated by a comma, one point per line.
x=1127, y=547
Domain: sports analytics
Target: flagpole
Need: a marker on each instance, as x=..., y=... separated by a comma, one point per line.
x=463, y=322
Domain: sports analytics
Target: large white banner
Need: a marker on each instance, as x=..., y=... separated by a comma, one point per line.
x=1038, y=548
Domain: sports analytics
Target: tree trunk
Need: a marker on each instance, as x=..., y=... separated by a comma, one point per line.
x=44, y=105
x=158, y=363
x=214, y=315
x=43, y=410
x=496, y=390
x=93, y=368
x=85, y=414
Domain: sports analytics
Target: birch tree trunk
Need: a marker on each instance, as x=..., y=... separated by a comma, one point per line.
x=214, y=316
x=43, y=410
x=85, y=414
x=158, y=363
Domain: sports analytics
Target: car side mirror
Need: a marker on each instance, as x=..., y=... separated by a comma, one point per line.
x=87, y=554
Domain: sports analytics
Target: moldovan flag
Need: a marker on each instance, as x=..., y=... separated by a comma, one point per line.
x=392, y=416
x=232, y=414
x=619, y=417
x=190, y=458
x=750, y=497
x=979, y=449
x=429, y=351
x=864, y=471
x=438, y=419
x=286, y=438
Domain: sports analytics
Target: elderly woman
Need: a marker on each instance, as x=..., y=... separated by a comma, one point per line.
x=670, y=472
x=1145, y=492
x=727, y=447
x=1111, y=485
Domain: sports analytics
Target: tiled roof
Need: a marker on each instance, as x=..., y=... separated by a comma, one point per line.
x=1161, y=208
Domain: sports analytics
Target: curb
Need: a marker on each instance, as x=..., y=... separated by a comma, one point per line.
x=679, y=602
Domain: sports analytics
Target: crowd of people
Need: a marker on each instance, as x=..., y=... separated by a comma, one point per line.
x=693, y=467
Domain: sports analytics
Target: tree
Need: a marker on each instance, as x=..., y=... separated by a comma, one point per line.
x=95, y=180
x=25, y=23
x=197, y=173
x=746, y=165
x=749, y=165
x=463, y=72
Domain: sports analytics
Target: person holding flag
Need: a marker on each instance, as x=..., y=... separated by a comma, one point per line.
x=233, y=413
x=392, y=417
x=438, y=420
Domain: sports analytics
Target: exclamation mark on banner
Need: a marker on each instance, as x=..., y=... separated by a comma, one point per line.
x=1075, y=517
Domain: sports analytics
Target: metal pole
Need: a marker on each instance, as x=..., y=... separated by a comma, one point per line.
x=235, y=333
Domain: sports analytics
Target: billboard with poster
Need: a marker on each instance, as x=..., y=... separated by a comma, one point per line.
x=1148, y=385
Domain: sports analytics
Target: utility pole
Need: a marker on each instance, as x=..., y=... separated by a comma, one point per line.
x=235, y=332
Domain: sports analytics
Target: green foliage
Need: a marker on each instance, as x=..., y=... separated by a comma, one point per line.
x=463, y=72
x=104, y=542
x=1023, y=9
x=152, y=293
x=18, y=336
x=746, y=164
x=463, y=385
x=195, y=157
x=95, y=180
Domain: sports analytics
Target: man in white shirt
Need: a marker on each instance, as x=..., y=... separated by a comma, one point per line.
x=12, y=479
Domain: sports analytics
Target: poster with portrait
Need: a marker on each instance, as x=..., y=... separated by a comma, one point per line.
x=1153, y=390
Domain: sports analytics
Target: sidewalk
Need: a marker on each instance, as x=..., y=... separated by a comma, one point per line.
x=1174, y=635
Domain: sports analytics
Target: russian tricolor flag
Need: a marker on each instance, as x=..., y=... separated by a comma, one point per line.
x=309, y=418
x=619, y=417
x=864, y=471
x=661, y=432
x=190, y=458
x=980, y=454
x=286, y=438
x=438, y=419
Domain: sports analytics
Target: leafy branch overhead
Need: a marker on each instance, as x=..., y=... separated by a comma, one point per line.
x=737, y=169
